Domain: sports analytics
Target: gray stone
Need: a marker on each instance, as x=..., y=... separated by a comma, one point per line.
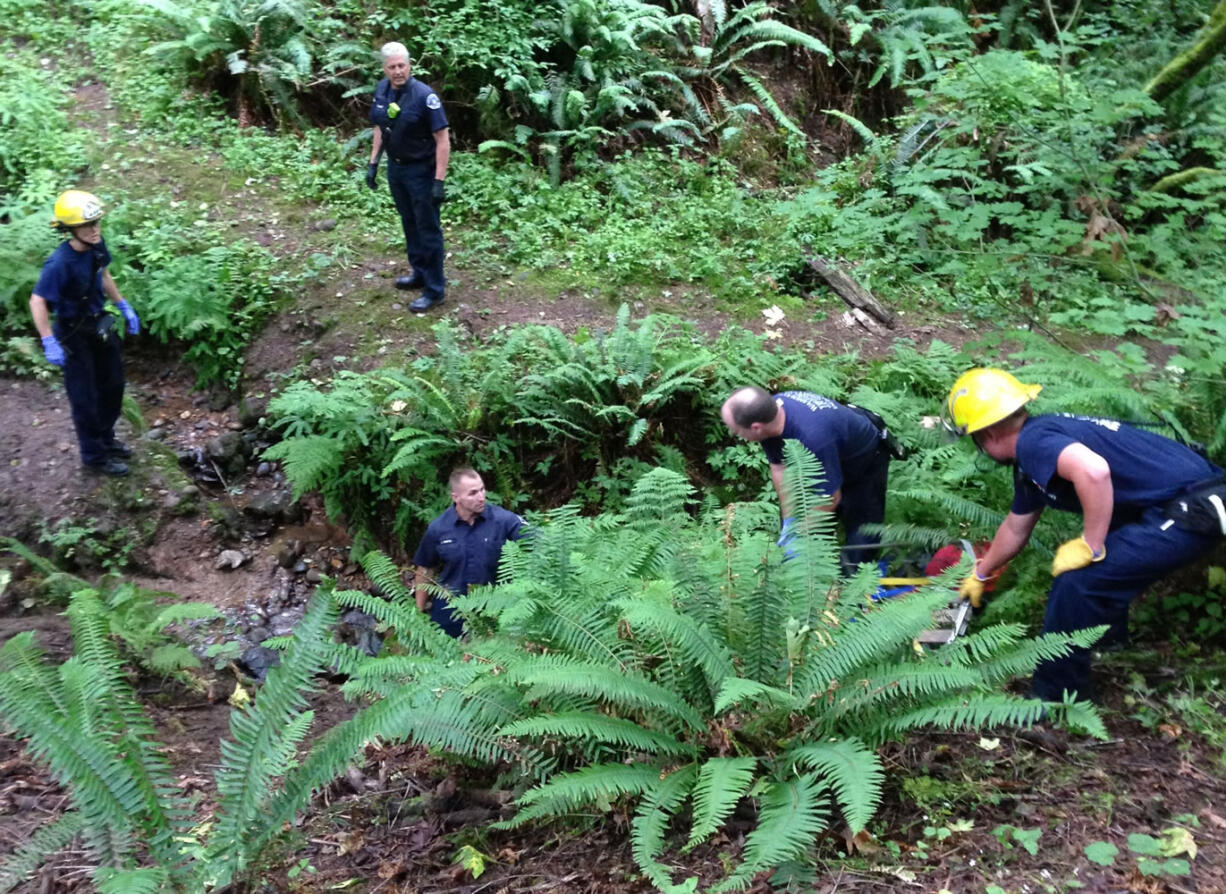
x=300, y=567
x=324, y=226
x=359, y=630
x=288, y=553
x=284, y=623
x=259, y=660
x=313, y=576
x=258, y=634
x=156, y=434
x=251, y=409
x=274, y=506
x=224, y=447
x=230, y=558
x=263, y=469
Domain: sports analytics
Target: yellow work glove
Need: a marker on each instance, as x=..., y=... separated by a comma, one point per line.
x=1074, y=554
x=972, y=588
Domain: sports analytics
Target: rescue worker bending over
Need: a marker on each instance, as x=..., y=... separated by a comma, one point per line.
x=852, y=444
x=1128, y=484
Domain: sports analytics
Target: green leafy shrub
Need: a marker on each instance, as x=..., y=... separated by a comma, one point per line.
x=85, y=722
x=215, y=300
x=370, y=441
x=255, y=51
x=36, y=141
x=676, y=666
x=135, y=619
x=654, y=218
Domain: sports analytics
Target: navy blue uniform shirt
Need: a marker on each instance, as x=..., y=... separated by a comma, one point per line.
x=409, y=136
x=843, y=440
x=1146, y=469
x=467, y=554
x=71, y=281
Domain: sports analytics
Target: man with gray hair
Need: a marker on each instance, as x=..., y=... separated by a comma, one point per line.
x=410, y=126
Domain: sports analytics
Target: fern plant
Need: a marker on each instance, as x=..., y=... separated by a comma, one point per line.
x=675, y=663
x=83, y=720
x=135, y=618
x=720, y=61
x=256, y=48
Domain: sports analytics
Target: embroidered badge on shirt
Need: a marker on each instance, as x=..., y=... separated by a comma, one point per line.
x=432, y=102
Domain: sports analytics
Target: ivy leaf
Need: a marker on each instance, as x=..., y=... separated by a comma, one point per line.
x=471, y=859
x=1164, y=867
x=1101, y=852
x=1029, y=839
x=1176, y=841
x=1146, y=845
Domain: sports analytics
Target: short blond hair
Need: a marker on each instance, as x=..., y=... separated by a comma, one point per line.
x=459, y=473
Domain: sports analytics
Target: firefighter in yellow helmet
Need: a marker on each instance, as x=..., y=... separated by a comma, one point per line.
x=1126, y=483
x=69, y=311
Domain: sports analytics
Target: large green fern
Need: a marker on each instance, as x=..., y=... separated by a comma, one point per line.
x=710, y=673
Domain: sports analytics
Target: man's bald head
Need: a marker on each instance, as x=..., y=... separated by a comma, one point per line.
x=750, y=412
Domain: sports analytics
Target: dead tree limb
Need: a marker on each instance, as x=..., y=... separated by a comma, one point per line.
x=850, y=290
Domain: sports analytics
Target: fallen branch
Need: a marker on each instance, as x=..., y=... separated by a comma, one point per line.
x=852, y=292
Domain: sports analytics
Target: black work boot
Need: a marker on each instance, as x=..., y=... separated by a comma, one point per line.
x=111, y=466
x=423, y=304
x=410, y=282
x=118, y=449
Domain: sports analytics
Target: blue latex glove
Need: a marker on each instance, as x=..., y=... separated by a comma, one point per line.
x=438, y=192
x=53, y=350
x=786, y=536
x=372, y=175
x=129, y=315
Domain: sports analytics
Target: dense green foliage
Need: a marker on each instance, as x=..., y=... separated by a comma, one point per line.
x=994, y=166
x=546, y=418
x=671, y=659
x=135, y=619
x=83, y=719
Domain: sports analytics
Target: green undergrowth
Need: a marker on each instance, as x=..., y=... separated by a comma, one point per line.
x=678, y=667
x=1017, y=187
x=549, y=418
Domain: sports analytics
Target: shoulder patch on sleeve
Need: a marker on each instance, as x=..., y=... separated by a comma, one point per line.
x=432, y=102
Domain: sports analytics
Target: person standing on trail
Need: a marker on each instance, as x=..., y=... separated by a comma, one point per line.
x=462, y=547
x=411, y=127
x=74, y=286
x=852, y=444
x=1149, y=506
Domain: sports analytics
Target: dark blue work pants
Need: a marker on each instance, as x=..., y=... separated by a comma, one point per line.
x=1138, y=554
x=412, y=188
x=442, y=615
x=93, y=379
x=863, y=502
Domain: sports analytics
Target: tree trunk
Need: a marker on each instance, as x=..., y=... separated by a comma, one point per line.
x=1180, y=179
x=1189, y=63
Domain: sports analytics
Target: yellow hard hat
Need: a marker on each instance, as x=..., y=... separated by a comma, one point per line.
x=983, y=397
x=76, y=208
